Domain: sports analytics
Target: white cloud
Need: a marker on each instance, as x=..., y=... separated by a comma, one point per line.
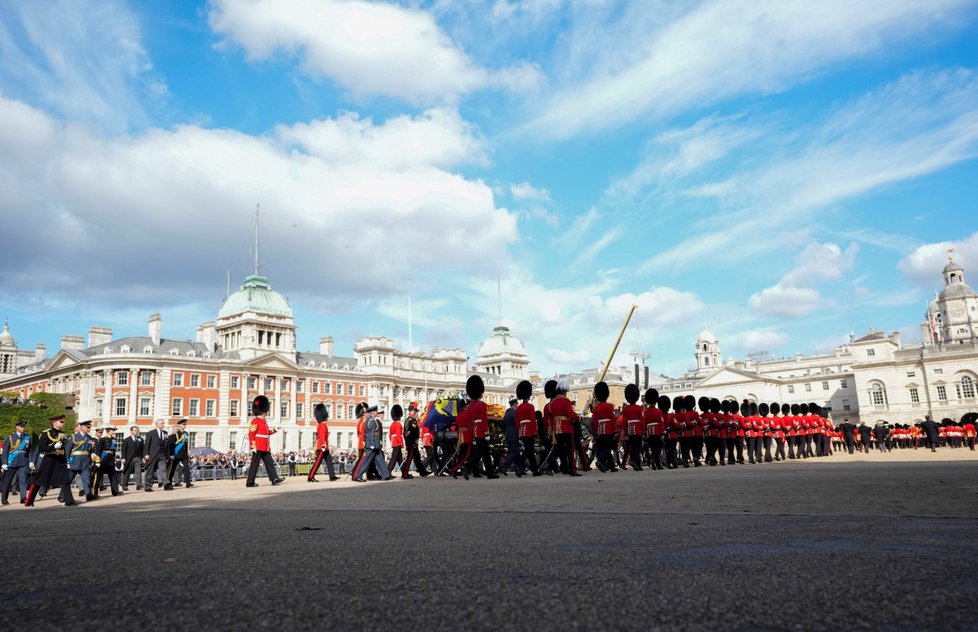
x=654, y=64
x=82, y=59
x=163, y=214
x=526, y=191
x=657, y=307
x=761, y=339
x=368, y=48
x=568, y=357
x=785, y=301
x=923, y=266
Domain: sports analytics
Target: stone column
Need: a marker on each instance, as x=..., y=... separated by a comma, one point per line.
x=133, y=395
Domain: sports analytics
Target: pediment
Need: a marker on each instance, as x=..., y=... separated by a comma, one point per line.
x=272, y=361
x=61, y=360
x=727, y=375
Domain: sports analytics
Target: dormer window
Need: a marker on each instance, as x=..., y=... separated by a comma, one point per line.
x=108, y=350
x=125, y=349
x=148, y=349
x=174, y=352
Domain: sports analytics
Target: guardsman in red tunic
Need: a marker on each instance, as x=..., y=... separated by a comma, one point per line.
x=463, y=445
x=633, y=418
x=711, y=431
x=728, y=435
x=654, y=429
x=361, y=414
x=694, y=425
x=396, y=434
x=548, y=435
x=322, y=445
x=778, y=428
x=564, y=417
x=526, y=424
x=604, y=427
x=258, y=435
x=968, y=425
x=672, y=432
x=479, y=412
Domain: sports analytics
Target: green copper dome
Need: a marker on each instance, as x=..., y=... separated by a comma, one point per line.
x=256, y=295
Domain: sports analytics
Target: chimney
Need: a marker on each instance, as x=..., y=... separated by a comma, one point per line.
x=155, y=327
x=636, y=374
x=207, y=335
x=646, y=378
x=895, y=337
x=326, y=346
x=99, y=336
x=74, y=343
x=39, y=351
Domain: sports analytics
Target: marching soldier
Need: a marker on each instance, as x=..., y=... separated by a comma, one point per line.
x=178, y=448
x=526, y=425
x=564, y=417
x=132, y=458
x=322, y=445
x=633, y=419
x=79, y=448
x=777, y=423
x=104, y=457
x=52, y=471
x=154, y=453
x=372, y=454
x=412, y=431
x=654, y=428
x=396, y=434
x=694, y=424
x=479, y=413
x=605, y=426
x=258, y=435
x=16, y=461
x=512, y=442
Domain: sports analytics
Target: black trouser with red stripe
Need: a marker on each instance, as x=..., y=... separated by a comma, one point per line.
x=322, y=456
x=415, y=456
x=464, y=453
x=565, y=448
x=51, y=473
x=529, y=453
x=633, y=446
x=396, y=460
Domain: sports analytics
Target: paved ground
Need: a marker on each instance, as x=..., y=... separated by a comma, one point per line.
x=864, y=542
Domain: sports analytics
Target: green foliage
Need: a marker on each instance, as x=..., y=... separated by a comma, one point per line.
x=36, y=412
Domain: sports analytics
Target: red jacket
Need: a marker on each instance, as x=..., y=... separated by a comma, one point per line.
x=526, y=420
x=564, y=414
x=548, y=419
x=603, y=419
x=322, y=436
x=655, y=422
x=479, y=414
x=634, y=419
x=396, y=434
x=258, y=434
x=463, y=423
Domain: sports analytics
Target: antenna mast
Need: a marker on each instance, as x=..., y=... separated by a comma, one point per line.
x=257, y=265
x=499, y=298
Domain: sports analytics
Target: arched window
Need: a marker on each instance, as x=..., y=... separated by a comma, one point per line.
x=967, y=387
x=705, y=348
x=877, y=394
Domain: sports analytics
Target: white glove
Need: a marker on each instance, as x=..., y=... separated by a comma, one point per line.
x=33, y=467
x=57, y=446
x=4, y=468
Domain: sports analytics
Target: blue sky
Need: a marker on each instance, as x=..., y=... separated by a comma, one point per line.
x=778, y=171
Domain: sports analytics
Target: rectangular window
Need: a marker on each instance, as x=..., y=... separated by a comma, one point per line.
x=349, y=389
x=870, y=352
x=845, y=405
x=145, y=407
x=300, y=385
x=942, y=393
x=209, y=407
x=825, y=386
x=339, y=439
x=352, y=411
x=339, y=411
x=843, y=384
x=283, y=384
x=211, y=381
x=178, y=379
x=268, y=383
x=914, y=395
x=938, y=371
x=233, y=442
x=298, y=410
x=98, y=408
x=315, y=386
x=120, y=407
x=911, y=374
x=329, y=410
x=361, y=390
x=967, y=388
x=145, y=378
x=349, y=441
x=328, y=388
x=122, y=378
x=283, y=410
x=208, y=439
x=234, y=407
x=100, y=379
x=192, y=440
x=194, y=408
x=877, y=396
x=194, y=380
x=176, y=407
x=251, y=383
x=235, y=381
x=808, y=388
x=791, y=388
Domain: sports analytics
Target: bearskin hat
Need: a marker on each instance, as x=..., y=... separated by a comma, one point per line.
x=475, y=387
x=775, y=408
x=679, y=403
x=763, y=410
x=651, y=397
x=550, y=389
x=815, y=409
x=260, y=405
x=795, y=409
x=396, y=411
x=714, y=405
x=601, y=391
x=690, y=402
x=745, y=408
x=753, y=408
x=703, y=403
x=803, y=408
x=524, y=390
x=320, y=412
x=631, y=393
x=664, y=403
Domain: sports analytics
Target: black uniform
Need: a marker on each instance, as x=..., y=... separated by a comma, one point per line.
x=412, y=433
x=178, y=449
x=53, y=469
x=105, y=449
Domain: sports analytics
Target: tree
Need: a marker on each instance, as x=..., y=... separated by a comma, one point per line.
x=36, y=411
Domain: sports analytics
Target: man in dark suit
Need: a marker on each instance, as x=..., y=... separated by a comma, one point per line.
x=154, y=453
x=849, y=434
x=933, y=435
x=132, y=458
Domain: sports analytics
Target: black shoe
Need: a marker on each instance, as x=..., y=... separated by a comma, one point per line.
x=601, y=468
x=518, y=473
x=538, y=473
x=117, y=493
x=125, y=488
x=71, y=503
x=407, y=476
x=168, y=487
x=6, y=502
x=334, y=478
x=577, y=474
x=189, y=485
x=90, y=497
x=251, y=484
x=312, y=480
x=278, y=481
x=148, y=489
x=492, y=475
